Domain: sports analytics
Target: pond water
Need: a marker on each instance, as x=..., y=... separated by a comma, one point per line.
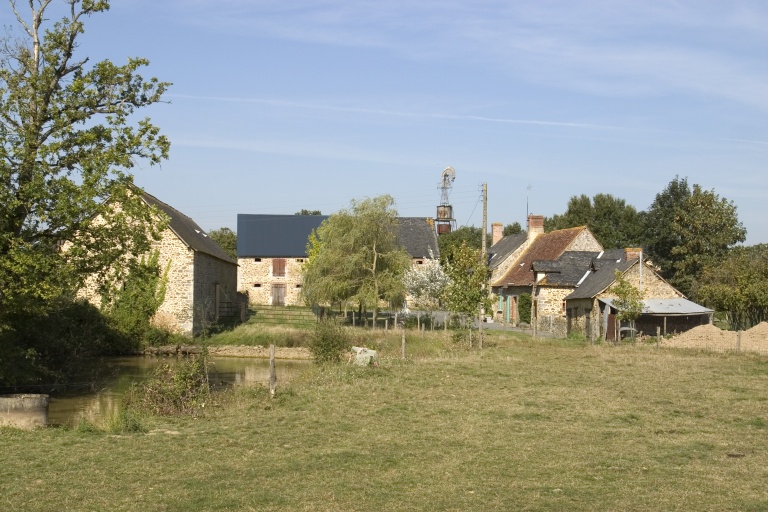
x=101, y=399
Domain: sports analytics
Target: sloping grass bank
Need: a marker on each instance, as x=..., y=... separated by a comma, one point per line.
x=523, y=426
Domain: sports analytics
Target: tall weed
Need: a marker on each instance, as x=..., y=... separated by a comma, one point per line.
x=175, y=389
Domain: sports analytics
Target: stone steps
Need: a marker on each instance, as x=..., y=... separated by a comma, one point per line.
x=282, y=315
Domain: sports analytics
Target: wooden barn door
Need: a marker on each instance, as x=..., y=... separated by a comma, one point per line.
x=610, y=333
x=278, y=295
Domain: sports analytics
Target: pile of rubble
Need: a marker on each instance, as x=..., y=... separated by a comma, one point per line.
x=709, y=337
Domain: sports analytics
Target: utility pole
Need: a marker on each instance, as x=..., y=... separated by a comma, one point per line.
x=484, y=260
x=483, y=242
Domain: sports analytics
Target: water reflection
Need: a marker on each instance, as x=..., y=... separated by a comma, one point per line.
x=117, y=375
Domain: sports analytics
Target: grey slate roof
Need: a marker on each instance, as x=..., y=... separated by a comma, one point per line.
x=600, y=278
x=285, y=236
x=417, y=236
x=499, y=251
x=668, y=307
x=567, y=270
x=187, y=230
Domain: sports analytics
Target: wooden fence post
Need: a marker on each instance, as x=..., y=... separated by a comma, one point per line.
x=402, y=347
x=658, y=337
x=738, y=341
x=272, y=373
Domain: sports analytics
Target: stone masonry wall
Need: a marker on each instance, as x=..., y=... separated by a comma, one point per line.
x=256, y=279
x=210, y=272
x=176, y=311
x=585, y=241
x=654, y=287
x=551, y=316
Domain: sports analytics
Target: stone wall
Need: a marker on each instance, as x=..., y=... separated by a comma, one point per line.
x=190, y=293
x=583, y=317
x=653, y=286
x=551, y=315
x=210, y=273
x=255, y=278
x=585, y=241
x=176, y=309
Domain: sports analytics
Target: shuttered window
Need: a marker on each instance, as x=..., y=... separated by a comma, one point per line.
x=278, y=267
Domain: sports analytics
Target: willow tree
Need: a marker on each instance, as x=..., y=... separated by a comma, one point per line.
x=68, y=141
x=355, y=256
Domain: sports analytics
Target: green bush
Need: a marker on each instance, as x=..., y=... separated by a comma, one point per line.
x=329, y=341
x=44, y=350
x=175, y=389
x=132, y=304
x=524, y=307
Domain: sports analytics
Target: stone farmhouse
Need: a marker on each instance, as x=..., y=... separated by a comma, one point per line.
x=202, y=278
x=511, y=261
x=590, y=310
x=271, y=250
x=569, y=277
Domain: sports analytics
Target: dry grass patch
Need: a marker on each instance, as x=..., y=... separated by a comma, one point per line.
x=522, y=426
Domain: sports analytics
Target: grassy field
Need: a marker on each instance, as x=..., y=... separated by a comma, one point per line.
x=524, y=425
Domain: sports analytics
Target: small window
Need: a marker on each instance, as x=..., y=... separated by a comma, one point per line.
x=419, y=262
x=299, y=260
x=257, y=260
x=298, y=286
x=257, y=285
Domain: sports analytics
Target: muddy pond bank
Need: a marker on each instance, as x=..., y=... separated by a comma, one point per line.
x=102, y=396
x=258, y=352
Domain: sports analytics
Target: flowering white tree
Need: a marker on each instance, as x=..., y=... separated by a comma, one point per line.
x=425, y=284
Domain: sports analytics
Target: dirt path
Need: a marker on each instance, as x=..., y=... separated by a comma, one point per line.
x=709, y=337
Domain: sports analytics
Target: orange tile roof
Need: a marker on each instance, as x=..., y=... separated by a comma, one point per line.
x=548, y=246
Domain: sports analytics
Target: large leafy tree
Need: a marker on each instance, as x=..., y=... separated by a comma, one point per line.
x=707, y=226
x=467, y=291
x=614, y=223
x=355, y=256
x=449, y=243
x=227, y=240
x=659, y=237
x=738, y=286
x=512, y=229
x=67, y=144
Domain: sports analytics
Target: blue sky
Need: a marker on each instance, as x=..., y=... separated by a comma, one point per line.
x=282, y=105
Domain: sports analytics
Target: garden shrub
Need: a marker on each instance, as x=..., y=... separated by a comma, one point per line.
x=174, y=389
x=329, y=341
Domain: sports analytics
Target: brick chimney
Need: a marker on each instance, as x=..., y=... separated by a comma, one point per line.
x=535, y=226
x=632, y=253
x=497, y=232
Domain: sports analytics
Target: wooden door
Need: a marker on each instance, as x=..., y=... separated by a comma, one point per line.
x=278, y=295
x=610, y=332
